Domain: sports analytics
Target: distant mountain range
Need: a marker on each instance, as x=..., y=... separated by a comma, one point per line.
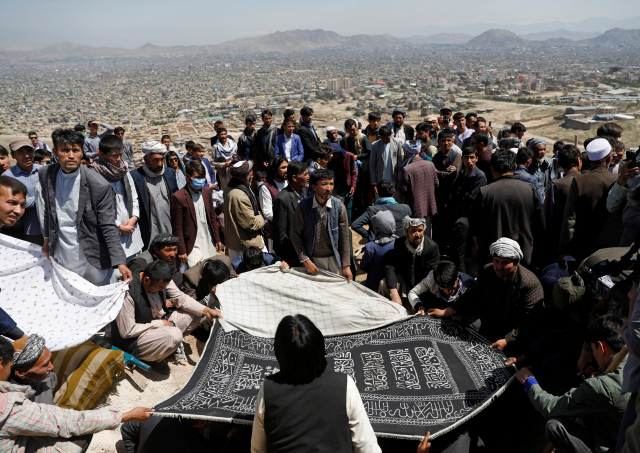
x=306, y=40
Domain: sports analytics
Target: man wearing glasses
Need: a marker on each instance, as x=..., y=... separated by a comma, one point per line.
x=37, y=143
x=127, y=151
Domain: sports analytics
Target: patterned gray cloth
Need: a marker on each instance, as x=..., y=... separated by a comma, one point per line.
x=506, y=248
x=384, y=227
x=33, y=348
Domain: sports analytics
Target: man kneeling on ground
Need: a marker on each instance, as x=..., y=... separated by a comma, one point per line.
x=155, y=316
x=32, y=366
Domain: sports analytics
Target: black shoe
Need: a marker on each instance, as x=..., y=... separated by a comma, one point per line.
x=161, y=367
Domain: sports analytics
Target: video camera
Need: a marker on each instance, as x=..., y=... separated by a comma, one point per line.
x=621, y=268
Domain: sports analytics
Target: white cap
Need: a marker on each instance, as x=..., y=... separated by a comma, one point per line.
x=598, y=149
x=513, y=150
x=331, y=128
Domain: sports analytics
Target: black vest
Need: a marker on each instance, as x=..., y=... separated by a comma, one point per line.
x=144, y=315
x=307, y=418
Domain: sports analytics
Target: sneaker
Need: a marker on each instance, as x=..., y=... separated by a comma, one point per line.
x=161, y=367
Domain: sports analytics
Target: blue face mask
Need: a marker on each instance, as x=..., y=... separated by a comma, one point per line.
x=198, y=183
x=259, y=184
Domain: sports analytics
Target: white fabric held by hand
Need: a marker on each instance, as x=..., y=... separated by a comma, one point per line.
x=44, y=298
x=256, y=302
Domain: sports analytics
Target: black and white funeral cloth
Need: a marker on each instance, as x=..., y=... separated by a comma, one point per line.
x=417, y=375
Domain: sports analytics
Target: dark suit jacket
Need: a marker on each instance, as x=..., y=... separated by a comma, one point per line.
x=141, y=186
x=409, y=132
x=463, y=190
x=97, y=233
x=507, y=208
x=554, y=204
x=585, y=213
x=399, y=211
x=309, y=142
x=284, y=210
x=184, y=222
x=400, y=259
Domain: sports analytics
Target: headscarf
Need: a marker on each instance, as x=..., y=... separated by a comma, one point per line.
x=535, y=142
x=153, y=147
x=240, y=169
x=385, y=200
x=412, y=148
x=413, y=222
x=506, y=248
x=224, y=153
x=384, y=227
x=109, y=172
x=28, y=351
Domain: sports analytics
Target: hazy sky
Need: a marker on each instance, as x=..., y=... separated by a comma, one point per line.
x=130, y=24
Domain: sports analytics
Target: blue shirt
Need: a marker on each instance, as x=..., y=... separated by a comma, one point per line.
x=30, y=217
x=90, y=147
x=523, y=175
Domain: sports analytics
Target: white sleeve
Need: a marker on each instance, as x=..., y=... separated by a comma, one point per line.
x=135, y=211
x=363, y=438
x=414, y=294
x=37, y=191
x=258, y=436
x=266, y=203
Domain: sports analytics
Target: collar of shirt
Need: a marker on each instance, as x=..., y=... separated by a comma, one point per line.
x=317, y=205
x=17, y=171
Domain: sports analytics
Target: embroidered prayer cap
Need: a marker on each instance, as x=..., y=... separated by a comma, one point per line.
x=17, y=143
x=162, y=239
x=153, y=147
x=413, y=146
x=331, y=128
x=598, y=149
x=413, y=222
x=28, y=351
x=533, y=144
x=567, y=295
x=506, y=248
x=384, y=226
x=399, y=110
x=241, y=168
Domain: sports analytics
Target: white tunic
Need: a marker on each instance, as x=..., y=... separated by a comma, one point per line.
x=204, y=246
x=68, y=252
x=131, y=244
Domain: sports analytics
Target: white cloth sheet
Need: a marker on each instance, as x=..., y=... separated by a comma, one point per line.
x=256, y=301
x=43, y=297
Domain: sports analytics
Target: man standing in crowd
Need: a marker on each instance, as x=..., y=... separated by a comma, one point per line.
x=79, y=216
x=268, y=192
x=358, y=144
x=462, y=130
x=385, y=160
x=193, y=218
x=418, y=183
x=480, y=141
x=400, y=130
x=26, y=172
x=448, y=162
x=147, y=327
x=127, y=150
x=13, y=200
x=37, y=143
x=284, y=210
x=586, y=213
x=265, y=141
x=506, y=208
x=523, y=161
x=333, y=135
x=243, y=221
x=109, y=163
x=246, y=140
x=372, y=131
x=92, y=139
x=155, y=183
x=320, y=232
x=288, y=144
x=307, y=133
x=541, y=165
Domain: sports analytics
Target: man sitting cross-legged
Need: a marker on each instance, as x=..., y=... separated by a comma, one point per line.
x=155, y=316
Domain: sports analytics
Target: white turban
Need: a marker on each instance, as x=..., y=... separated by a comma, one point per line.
x=153, y=146
x=413, y=222
x=598, y=149
x=330, y=128
x=506, y=248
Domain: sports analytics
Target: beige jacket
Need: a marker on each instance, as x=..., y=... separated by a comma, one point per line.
x=241, y=228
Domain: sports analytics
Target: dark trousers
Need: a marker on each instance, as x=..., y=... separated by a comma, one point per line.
x=568, y=436
x=463, y=249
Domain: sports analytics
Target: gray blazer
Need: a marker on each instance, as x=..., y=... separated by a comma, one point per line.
x=376, y=160
x=97, y=232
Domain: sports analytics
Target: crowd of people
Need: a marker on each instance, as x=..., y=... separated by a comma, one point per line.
x=497, y=233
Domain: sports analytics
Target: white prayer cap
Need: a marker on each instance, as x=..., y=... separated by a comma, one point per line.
x=598, y=149
x=331, y=128
x=153, y=147
x=514, y=150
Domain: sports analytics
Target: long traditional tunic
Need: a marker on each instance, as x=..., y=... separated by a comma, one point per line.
x=131, y=243
x=203, y=247
x=159, y=200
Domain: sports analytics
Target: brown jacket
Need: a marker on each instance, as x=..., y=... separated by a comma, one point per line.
x=193, y=285
x=183, y=218
x=585, y=213
x=242, y=228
